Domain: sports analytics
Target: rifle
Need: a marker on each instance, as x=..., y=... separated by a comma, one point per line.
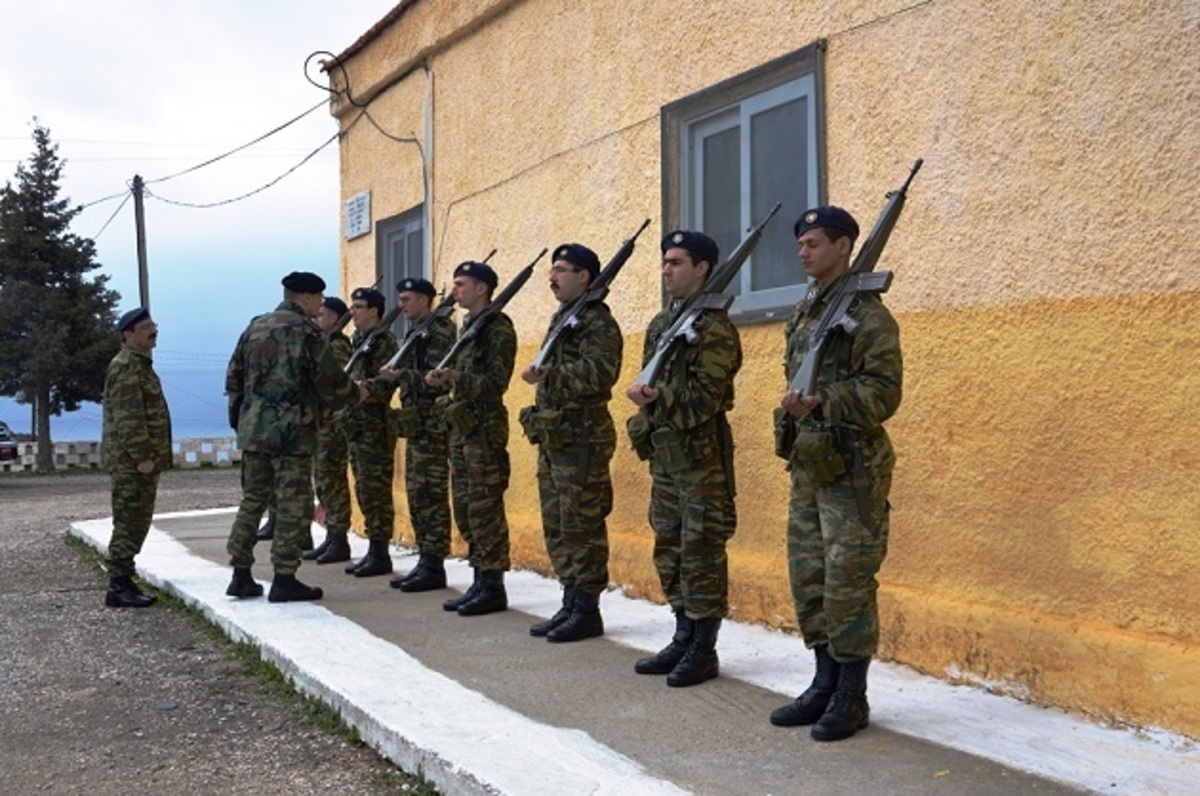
x=597, y=291
x=386, y=323
x=471, y=330
x=862, y=278
x=709, y=297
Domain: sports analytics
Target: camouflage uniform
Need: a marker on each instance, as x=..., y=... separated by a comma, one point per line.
x=281, y=378
x=372, y=440
x=478, y=423
x=838, y=517
x=137, y=427
x=329, y=466
x=577, y=439
x=691, y=465
x=426, y=446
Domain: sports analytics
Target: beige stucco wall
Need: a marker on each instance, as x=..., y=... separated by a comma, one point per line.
x=1046, y=499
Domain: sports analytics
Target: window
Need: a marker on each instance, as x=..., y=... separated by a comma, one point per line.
x=730, y=152
x=399, y=254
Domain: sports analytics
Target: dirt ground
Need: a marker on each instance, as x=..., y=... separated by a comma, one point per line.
x=104, y=701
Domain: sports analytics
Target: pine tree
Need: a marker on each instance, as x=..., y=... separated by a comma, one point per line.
x=56, y=323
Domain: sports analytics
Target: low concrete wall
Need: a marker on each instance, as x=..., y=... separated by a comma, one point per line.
x=186, y=454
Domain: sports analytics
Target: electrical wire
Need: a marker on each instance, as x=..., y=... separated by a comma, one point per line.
x=114, y=215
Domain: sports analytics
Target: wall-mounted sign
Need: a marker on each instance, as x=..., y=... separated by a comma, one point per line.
x=358, y=215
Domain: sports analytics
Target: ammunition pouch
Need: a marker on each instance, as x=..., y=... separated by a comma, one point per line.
x=638, y=428
x=816, y=453
x=549, y=428
x=460, y=418
x=405, y=421
x=785, y=433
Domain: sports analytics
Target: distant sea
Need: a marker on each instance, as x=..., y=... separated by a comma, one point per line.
x=194, y=385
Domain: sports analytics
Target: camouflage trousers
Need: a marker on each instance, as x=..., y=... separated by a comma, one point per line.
x=133, y=507
x=479, y=475
x=427, y=482
x=329, y=476
x=373, y=457
x=289, y=479
x=833, y=557
x=575, y=487
x=693, y=516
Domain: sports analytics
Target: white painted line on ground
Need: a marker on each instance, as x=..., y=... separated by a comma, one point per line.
x=419, y=727
x=1043, y=741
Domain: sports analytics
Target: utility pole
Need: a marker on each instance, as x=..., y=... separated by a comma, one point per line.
x=139, y=217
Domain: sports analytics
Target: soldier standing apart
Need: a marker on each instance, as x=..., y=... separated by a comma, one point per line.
x=478, y=424
x=426, y=447
x=372, y=443
x=136, y=448
x=332, y=459
x=841, y=463
x=681, y=428
x=572, y=426
x=281, y=378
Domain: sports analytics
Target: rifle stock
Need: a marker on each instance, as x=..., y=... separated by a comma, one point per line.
x=861, y=279
x=595, y=293
x=478, y=322
x=709, y=298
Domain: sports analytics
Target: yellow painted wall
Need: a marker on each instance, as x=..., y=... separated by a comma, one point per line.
x=1047, y=496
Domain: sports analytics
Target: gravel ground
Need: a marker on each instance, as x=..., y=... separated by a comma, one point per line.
x=96, y=700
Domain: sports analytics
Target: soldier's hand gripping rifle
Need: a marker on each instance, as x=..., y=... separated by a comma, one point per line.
x=862, y=278
x=473, y=327
x=710, y=297
x=597, y=291
x=421, y=331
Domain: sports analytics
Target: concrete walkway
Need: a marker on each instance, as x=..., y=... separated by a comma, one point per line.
x=477, y=705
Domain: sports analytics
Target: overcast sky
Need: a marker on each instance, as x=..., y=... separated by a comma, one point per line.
x=152, y=87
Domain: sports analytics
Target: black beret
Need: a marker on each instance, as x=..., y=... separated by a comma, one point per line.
x=370, y=295
x=336, y=304
x=132, y=319
x=579, y=256
x=697, y=244
x=827, y=217
x=416, y=286
x=481, y=271
x=304, y=282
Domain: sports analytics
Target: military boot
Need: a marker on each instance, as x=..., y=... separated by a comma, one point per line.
x=560, y=616
x=428, y=575
x=319, y=550
x=337, y=549
x=490, y=598
x=584, y=621
x=243, y=584
x=811, y=705
x=267, y=532
x=848, y=711
x=377, y=561
x=454, y=602
x=699, y=663
x=667, y=658
x=124, y=593
x=286, y=589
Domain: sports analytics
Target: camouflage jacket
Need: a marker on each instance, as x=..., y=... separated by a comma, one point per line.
x=485, y=366
x=585, y=362
x=425, y=354
x=137, y=425
x=281, y=378
x=861, y=374
x=366, y=369
x=697, y=382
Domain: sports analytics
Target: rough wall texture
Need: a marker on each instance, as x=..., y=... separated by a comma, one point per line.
x=1047, y=497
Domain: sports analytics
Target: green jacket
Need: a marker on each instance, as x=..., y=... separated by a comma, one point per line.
x=281, y=378
x=424, y=356
x=585, y=362
x=366, y=369
x=137, y=425
x=697, y=382
x=861, y=375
